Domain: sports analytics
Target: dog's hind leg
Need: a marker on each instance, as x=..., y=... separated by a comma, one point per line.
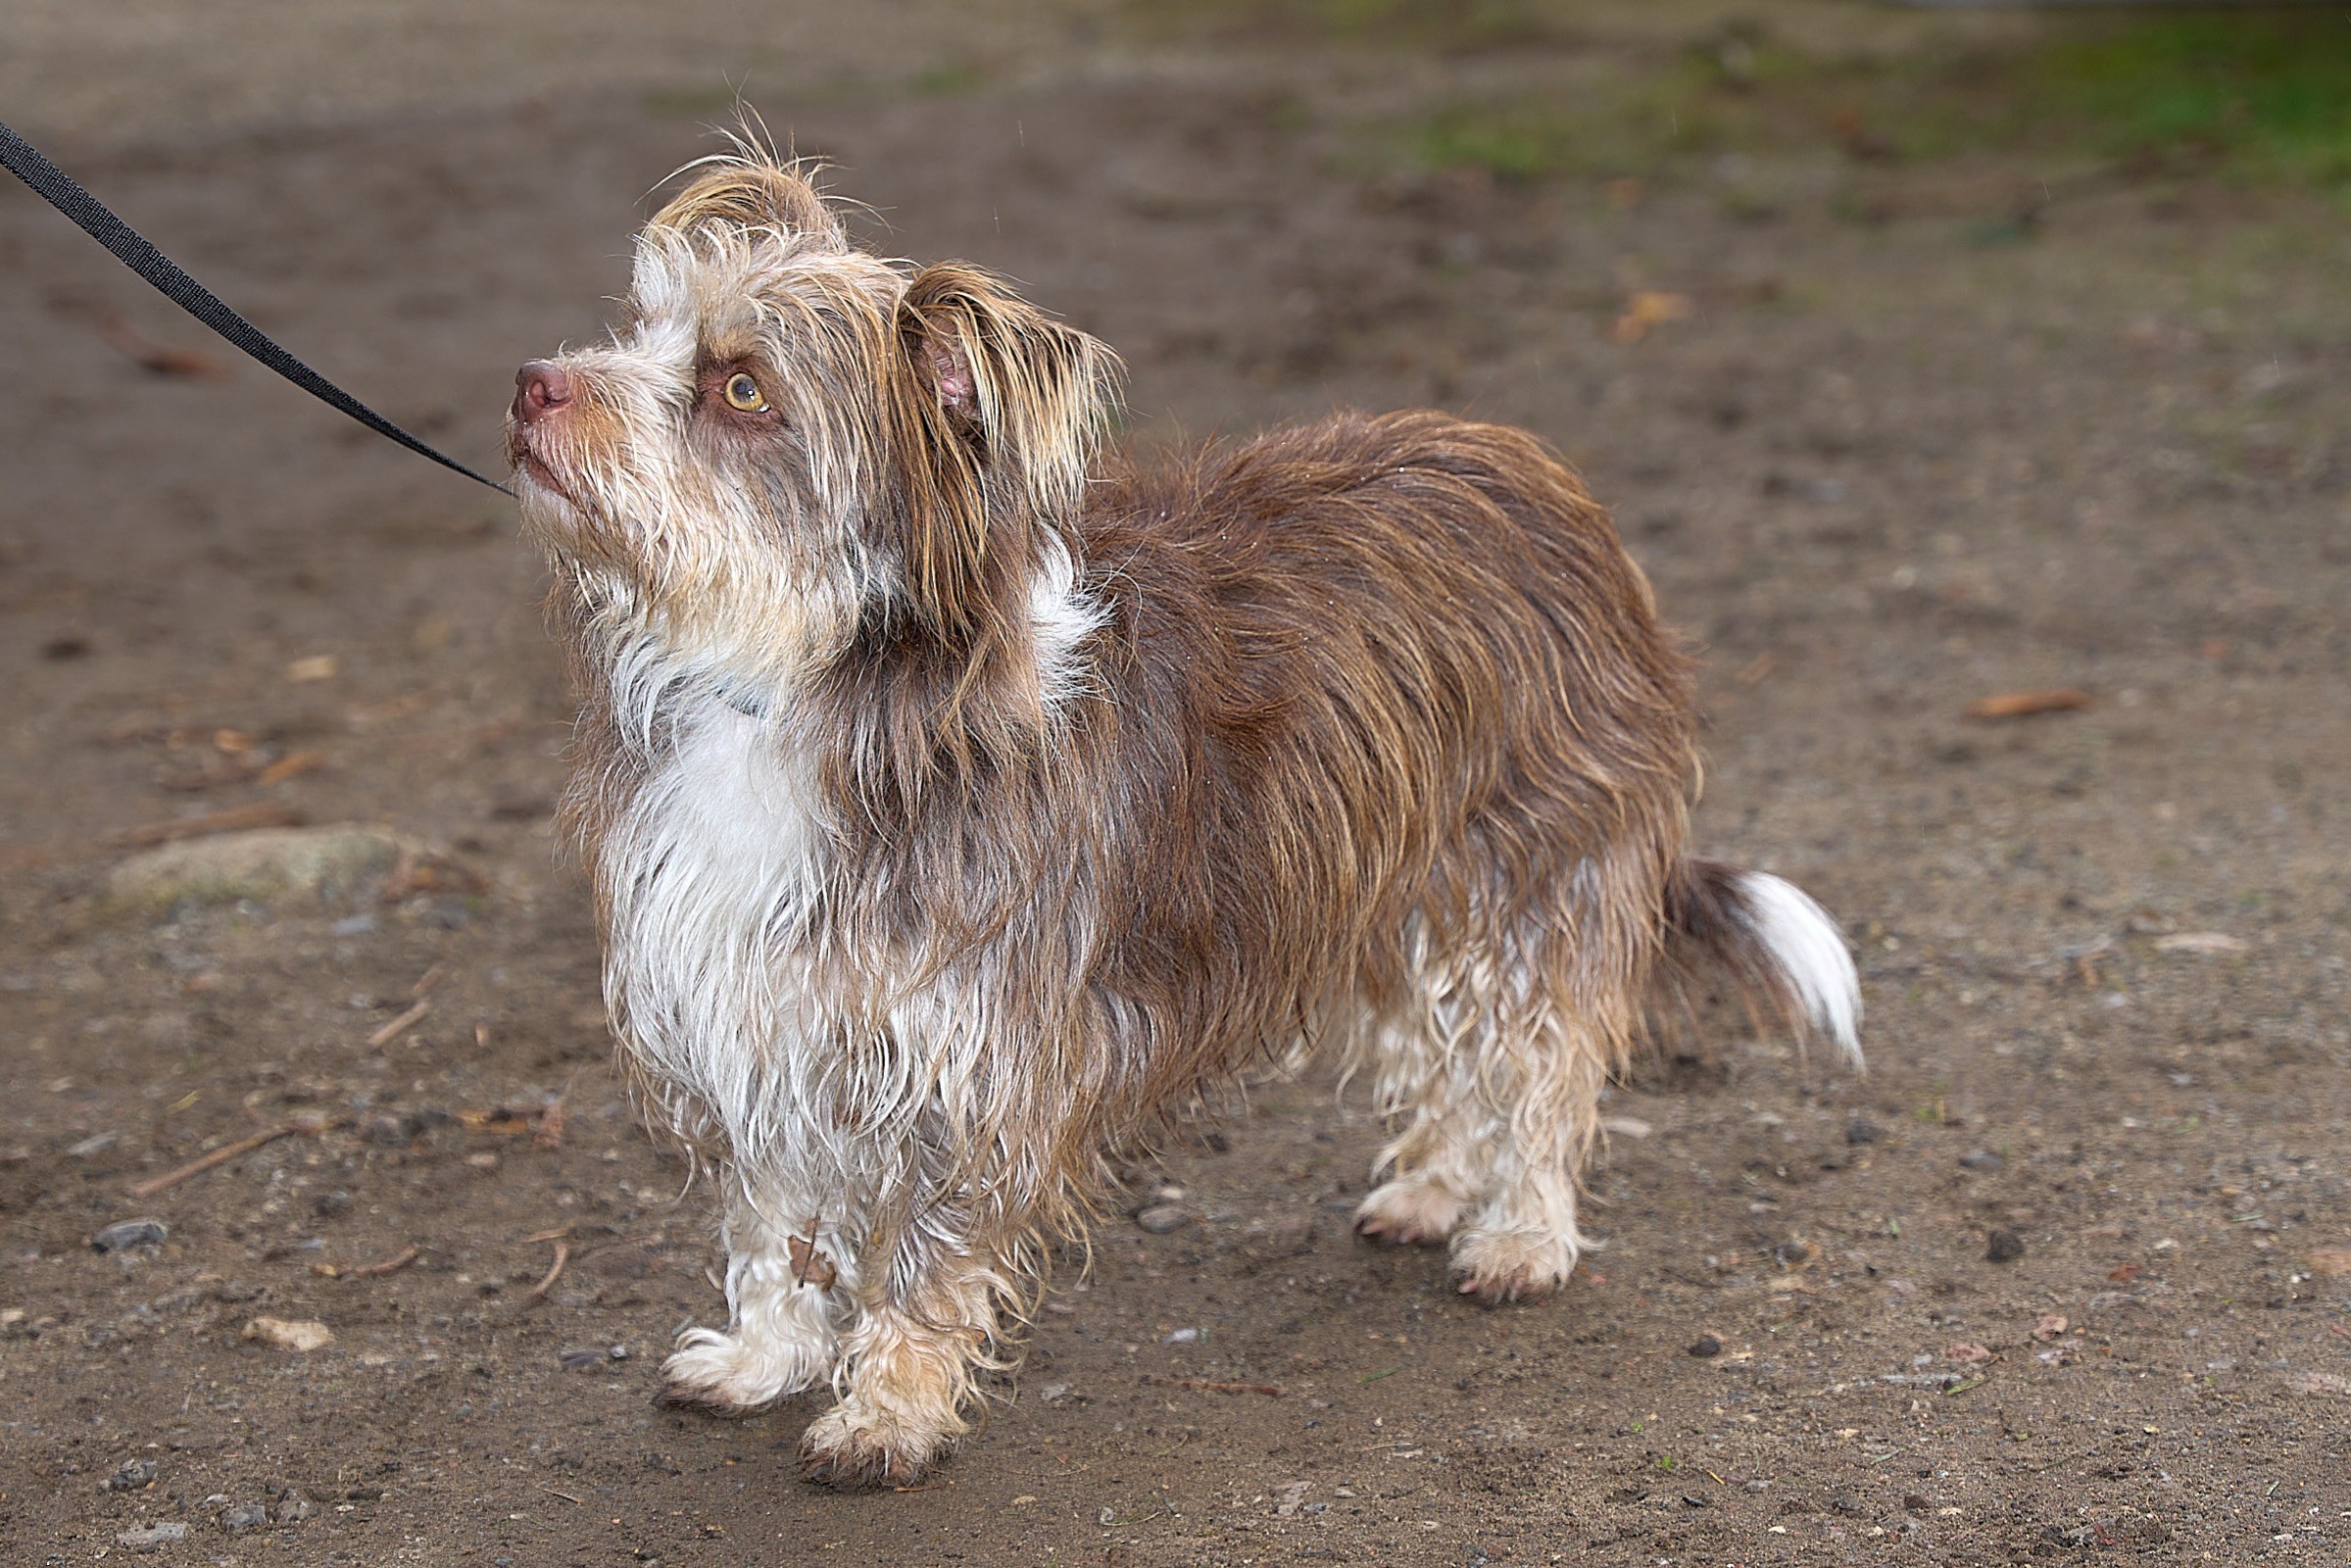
x=1559, y=1018
x=785, y=1275
x=1425, y=1075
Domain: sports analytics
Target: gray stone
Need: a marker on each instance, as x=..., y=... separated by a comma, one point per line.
x=155, y=1537
x=243, y=1517
x=125, y=1235
x=263, y=864
x=1161, y=1218
x=130, y=1475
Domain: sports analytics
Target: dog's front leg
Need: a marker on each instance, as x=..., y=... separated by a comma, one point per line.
x=786, y=1280
x=909, y=1362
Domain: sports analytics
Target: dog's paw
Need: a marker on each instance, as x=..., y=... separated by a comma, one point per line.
x=1512, y=1265
x=729, y=1375
x=856, y=1446
x=1408, y=1213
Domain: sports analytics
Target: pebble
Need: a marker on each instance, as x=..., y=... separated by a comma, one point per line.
x=293, y=1507
x=1161, y=1218
x=289, y=1334
x=1982, y=1160
x=155, y=1537
x=125, y=1235
x=1858, y=1131
x=1707, y=1348
x=98, y=1144
x=2003, y=1246
x=243, y=1517
x=130, y=1475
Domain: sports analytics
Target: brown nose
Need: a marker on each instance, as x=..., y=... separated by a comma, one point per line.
x=540, y=388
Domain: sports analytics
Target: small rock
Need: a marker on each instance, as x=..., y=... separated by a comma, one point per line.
x=1858, y=1131
x=1845, y=1504
x=130, y=1475
x=2077, y=1536
x=289, y=1334
x=155, y=1537
x=1183, y=1337
x=292, y=1507
x=98, y=1144
x=125, y=1235
x=1695, y=1499
x=1161, y=1218
x=582, y=1358
x=243, y=1517
x=2321, y=1384
x=1053, y=1393
x=2003, y=1245
x=1706, y=1348
x=1982, y=1160
x=258, y=864
x=1626, y=1127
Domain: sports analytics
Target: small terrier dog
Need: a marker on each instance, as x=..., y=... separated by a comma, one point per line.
x=960, y=802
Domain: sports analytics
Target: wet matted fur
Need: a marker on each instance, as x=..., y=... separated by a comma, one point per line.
x=959, y=799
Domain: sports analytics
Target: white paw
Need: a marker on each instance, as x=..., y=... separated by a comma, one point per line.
x=733, y=1375
x=1512, y=1265
x=1408, y=1211
x=860, y=1443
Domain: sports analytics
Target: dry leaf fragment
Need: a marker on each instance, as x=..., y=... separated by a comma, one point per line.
x=809, y=1265
x=2052, y=1326
x=1967, y=1353
x=1649, y=308
x=318, y=666
x=2023, y=705
x=161, y=357
x=289, y=1334
x=2331, y=1262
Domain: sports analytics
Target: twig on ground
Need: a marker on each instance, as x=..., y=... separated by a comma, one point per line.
x=390, y=1265
x=1272, y=1390
x=563, y=1255
x=222, y=1155
x=398, y=1026
x=266, y=814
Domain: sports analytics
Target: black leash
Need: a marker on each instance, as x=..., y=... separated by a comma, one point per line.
x=134, y=252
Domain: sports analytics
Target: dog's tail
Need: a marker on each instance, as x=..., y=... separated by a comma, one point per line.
x=1782, y=953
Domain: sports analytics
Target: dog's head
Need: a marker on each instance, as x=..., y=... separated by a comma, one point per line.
x=789, y=440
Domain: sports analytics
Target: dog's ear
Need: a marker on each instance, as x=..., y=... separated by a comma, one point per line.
x=1005, y=409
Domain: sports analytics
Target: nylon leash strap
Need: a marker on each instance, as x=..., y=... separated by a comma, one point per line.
x=133, y=251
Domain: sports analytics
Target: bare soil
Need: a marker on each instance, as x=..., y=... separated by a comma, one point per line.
x=2064, y=1274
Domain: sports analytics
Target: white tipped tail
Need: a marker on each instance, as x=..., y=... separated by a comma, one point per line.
x=1809, y=953
x=1780, y=951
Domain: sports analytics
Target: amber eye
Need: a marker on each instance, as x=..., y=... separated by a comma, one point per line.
x=743, y=394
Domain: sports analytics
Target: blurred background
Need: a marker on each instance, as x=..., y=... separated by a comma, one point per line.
x=1970, y=381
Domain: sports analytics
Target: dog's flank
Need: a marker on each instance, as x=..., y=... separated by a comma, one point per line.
x=960, y=802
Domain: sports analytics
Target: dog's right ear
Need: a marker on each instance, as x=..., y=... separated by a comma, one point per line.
x=754, y=193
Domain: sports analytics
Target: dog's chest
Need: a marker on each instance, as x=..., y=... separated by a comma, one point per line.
x=711, y=875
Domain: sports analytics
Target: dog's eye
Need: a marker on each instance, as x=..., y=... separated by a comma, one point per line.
x=743, y=394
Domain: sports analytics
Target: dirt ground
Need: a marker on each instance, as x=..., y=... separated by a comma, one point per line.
x=2067, y=1273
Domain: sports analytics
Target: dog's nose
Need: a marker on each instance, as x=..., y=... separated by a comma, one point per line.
x=540, y=388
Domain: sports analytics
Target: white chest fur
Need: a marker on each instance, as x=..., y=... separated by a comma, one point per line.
x=710, y=874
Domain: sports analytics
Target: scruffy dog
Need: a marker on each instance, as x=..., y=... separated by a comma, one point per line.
x=959, y=799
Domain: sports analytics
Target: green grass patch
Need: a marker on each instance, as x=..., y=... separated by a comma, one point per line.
x=2252, y=97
